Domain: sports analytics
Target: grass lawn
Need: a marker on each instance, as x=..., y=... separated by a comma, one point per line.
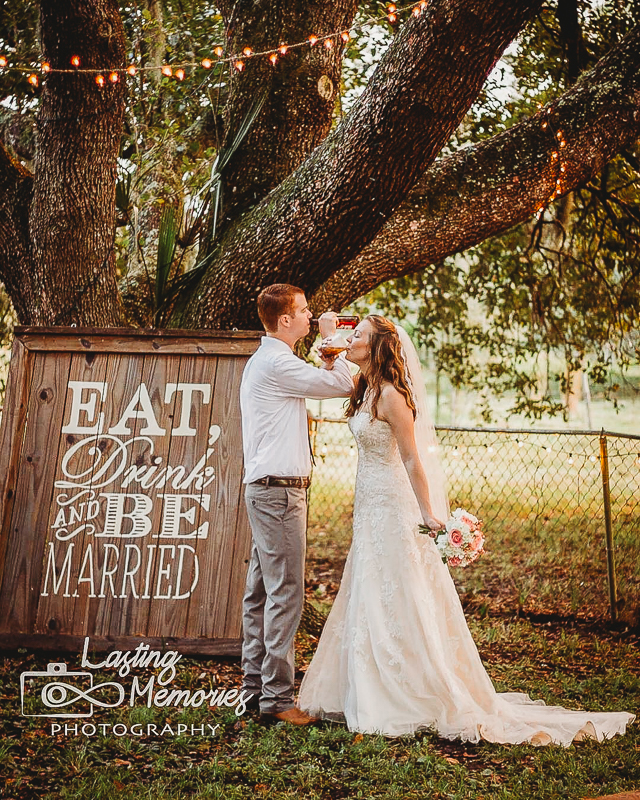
x=578, y=666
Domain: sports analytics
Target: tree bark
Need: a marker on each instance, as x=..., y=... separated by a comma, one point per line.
x=323, y=214
x=301, y=90
x=64, y=217
x=485, y=190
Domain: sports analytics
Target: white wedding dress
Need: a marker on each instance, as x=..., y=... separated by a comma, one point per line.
x=396, y=654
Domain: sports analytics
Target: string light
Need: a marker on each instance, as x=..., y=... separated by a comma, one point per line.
x=392, y=14
x=273, y=58
x=33, y=79
x=45, y=66
x=114, y=77
x=100, y=80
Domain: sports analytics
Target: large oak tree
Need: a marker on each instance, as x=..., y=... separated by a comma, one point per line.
x=336, y=209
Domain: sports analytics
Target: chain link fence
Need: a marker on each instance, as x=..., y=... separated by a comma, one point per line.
x=561, y=513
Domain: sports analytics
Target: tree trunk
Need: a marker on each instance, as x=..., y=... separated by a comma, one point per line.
x=336, y=202
x=64, y=220
x=300, y=88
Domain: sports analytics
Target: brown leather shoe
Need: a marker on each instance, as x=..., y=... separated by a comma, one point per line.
x=293, y=716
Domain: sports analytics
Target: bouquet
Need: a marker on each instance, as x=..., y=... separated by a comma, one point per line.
x=461, y=540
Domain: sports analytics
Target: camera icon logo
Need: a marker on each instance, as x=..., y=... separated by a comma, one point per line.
x=62, y=694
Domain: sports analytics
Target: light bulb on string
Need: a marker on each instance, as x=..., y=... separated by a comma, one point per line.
x=273, y=58
x=312, y=40
x=570, y=459
x=417, y=11
x=328, y=44
x=45, y=66
x=33, y=79
x=218, y=51
x=100, y=80
x=345, y=36
x=75, y=61
x=180, y=73
x=247, y=51
x=3, y=62
x=283, y=49
x=131, y=70
x=206, y=63
x=239, y=65
x=114, y=77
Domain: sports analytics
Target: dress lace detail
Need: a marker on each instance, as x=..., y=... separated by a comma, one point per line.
x=396, y=654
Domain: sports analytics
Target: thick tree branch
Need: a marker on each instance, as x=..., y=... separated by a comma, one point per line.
x=301, y=90
x=485, y=190
x=338, y=200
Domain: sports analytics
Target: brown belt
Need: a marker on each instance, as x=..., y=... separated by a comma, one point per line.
x=275, y=480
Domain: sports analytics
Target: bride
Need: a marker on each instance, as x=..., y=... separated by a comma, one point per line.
x=396, y=654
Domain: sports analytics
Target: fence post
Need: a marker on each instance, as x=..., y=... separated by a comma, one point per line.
x=606, y=495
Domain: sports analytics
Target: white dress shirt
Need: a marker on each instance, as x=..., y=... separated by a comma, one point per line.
x=275, y=383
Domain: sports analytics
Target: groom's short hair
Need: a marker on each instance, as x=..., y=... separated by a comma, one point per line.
x=274, y=301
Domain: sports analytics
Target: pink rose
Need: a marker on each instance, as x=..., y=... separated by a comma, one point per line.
x=455, y=537
x=455, y=561
x=478, y=540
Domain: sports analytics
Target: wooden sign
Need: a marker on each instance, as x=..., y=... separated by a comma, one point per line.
x=121, y=503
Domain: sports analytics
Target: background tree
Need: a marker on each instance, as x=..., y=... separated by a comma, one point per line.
x=235, y=179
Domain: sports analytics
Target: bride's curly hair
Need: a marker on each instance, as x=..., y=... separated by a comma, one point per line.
x=386, y=365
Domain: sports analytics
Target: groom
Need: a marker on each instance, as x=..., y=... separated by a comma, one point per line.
x=277, y=464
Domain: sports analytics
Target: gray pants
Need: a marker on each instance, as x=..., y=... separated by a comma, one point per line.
x=274, y=593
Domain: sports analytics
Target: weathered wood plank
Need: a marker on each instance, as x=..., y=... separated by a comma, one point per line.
x=118, y=340
x=130, y=614
x=36, y=468
x=71, y=524
x=123, y=377
x=190, y=452
x=11, y=432
x=220, y=573
x=56, y=643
